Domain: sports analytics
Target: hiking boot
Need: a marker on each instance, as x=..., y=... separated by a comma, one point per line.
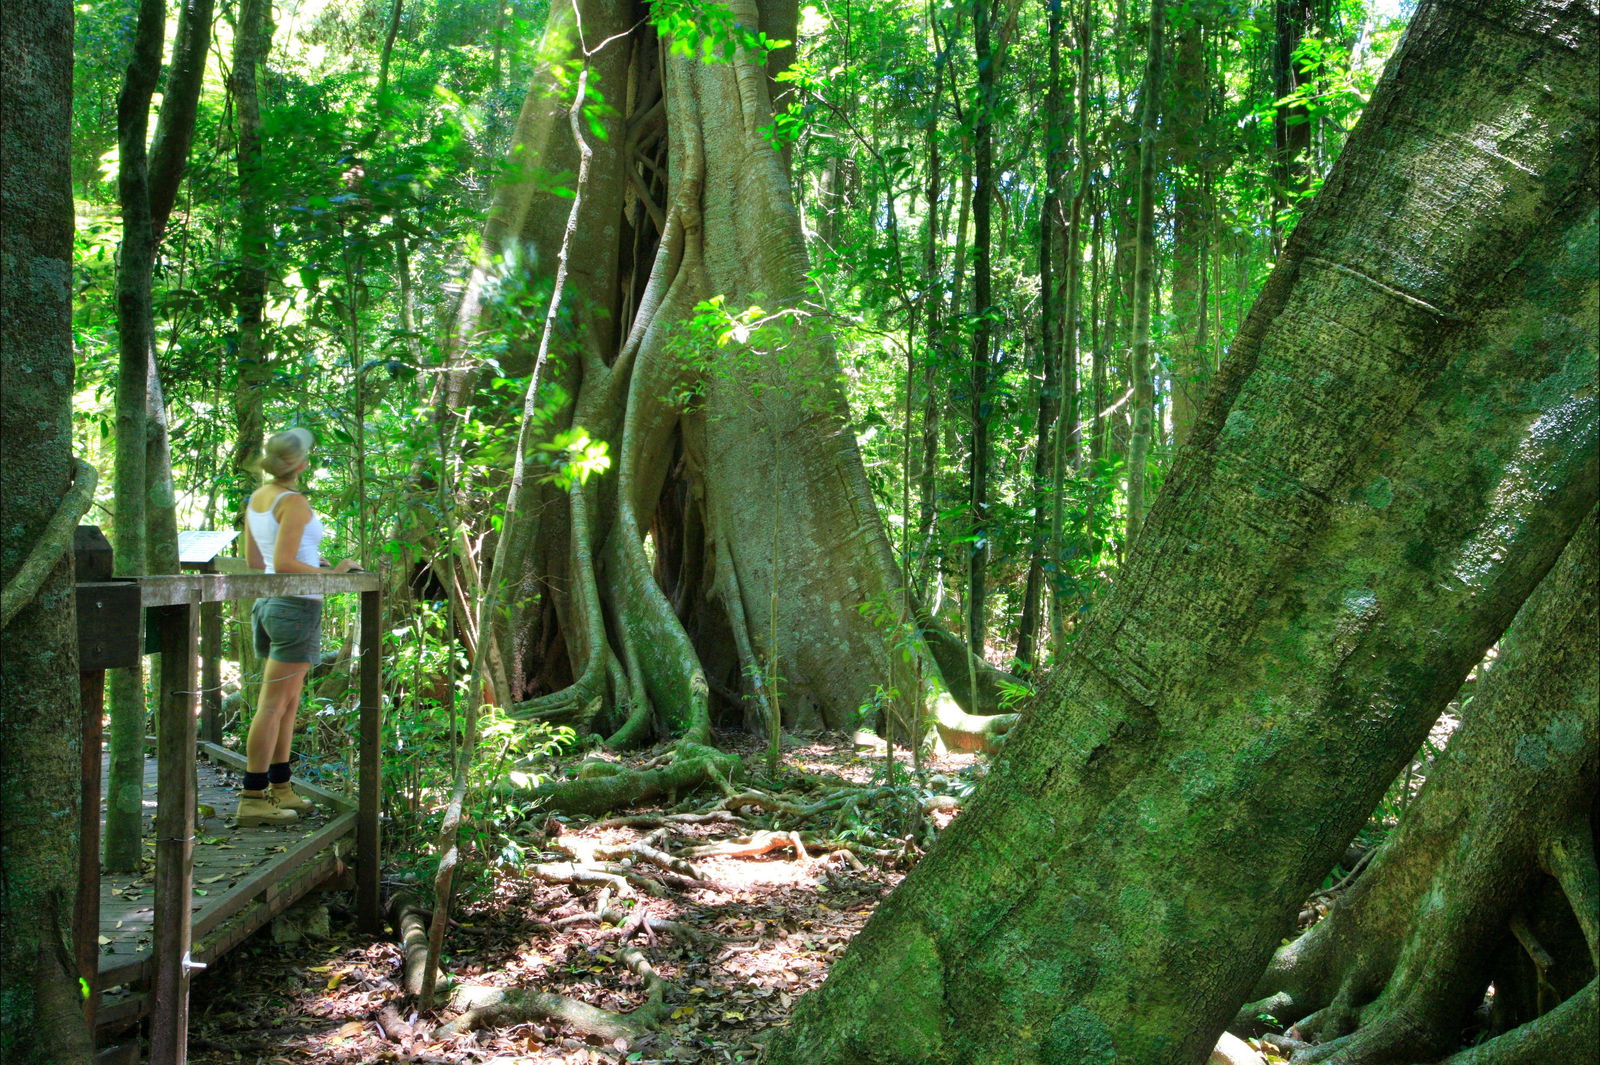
x=289, y=799
x=262, y=808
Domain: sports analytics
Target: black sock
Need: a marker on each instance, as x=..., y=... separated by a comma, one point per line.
x=278, y=772
x=255, y=781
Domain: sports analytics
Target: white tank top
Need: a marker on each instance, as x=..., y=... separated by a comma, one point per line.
x=264, y=531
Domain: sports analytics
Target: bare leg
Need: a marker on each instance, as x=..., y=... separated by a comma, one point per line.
x=273, y=725
x=293, y=686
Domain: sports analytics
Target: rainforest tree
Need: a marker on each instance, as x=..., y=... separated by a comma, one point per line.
x=1489, y=880
x=1310, y=588
x=40, y=733
x=733, y=551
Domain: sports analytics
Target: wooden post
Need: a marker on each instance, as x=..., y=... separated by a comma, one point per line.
x=369, y=846
x=175, y=806
x=86, y=911
x=211, y=672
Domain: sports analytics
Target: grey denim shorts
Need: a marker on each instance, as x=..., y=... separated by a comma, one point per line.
x=287, y=628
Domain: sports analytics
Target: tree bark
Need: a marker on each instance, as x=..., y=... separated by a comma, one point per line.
x=387, y=52
x=1053, y=365
x=933, y=287
x=979, y=400
x=169, y=154
x=1188, y=132
x=1395, y=971
x=169, y=157
x=135, y=328
x=1310, y=590
x=1068, y=443
x=40, y=730
x=1144, y=275
x=252, y=38
x=726, y=429
x=1291, y=123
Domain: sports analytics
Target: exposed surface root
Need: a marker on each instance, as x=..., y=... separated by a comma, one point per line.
x=692, y=767
x=1564, y=1034
x=962, y=731
x=410, y=923
x=499, y=1007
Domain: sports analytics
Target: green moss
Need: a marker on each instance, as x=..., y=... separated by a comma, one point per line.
x=1380, y=493
x=905, y=1006
x=1077, y=1037
x=1533, y=752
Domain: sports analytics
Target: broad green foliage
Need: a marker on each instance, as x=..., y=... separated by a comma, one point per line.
x=877, y=88
x=376, y=204
x=428, y=667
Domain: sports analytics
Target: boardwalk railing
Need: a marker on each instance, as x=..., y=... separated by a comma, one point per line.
x=108, y=640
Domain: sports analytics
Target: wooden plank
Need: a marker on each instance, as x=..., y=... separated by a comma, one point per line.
x=176, y=588
x=369, y=842
x=127, y=1006
x=175, y=813
x=211, y=672
x=108, y=624
x=129, y=969
x=261, y=879
x=86, y=911
x=231, y=933
x=124, y=1009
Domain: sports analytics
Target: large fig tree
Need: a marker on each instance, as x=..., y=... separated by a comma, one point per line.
x=732, y=550
x=1400, y=446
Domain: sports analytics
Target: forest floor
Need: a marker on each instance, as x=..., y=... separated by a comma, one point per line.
x=771, y=923
x=735, y=943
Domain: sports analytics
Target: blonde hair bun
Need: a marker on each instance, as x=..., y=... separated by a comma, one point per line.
x=285, y=451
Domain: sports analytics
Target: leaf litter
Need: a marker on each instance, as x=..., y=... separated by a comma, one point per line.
x=737, y=944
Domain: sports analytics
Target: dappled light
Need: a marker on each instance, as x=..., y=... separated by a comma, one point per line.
x=758, y=532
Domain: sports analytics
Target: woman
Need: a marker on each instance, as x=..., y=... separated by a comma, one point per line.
x=281, y=535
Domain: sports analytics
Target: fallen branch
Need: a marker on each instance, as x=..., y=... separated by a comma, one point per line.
x=626, y=924
x=646, y=853
x=764, y=842
x=723, y=817
x=573, y=873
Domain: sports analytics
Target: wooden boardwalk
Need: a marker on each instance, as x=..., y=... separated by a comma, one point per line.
x=243, y=877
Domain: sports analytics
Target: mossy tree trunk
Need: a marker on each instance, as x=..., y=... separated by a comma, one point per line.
x=135, y=335
x=1144, y=275
x=980, y=400
x=1399, y=447
x=1396, y=970
x=146, y=532
x=1058, y=389
x=252, y=37
x=1187, y=133
x=727, y=427
x=40, y=730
